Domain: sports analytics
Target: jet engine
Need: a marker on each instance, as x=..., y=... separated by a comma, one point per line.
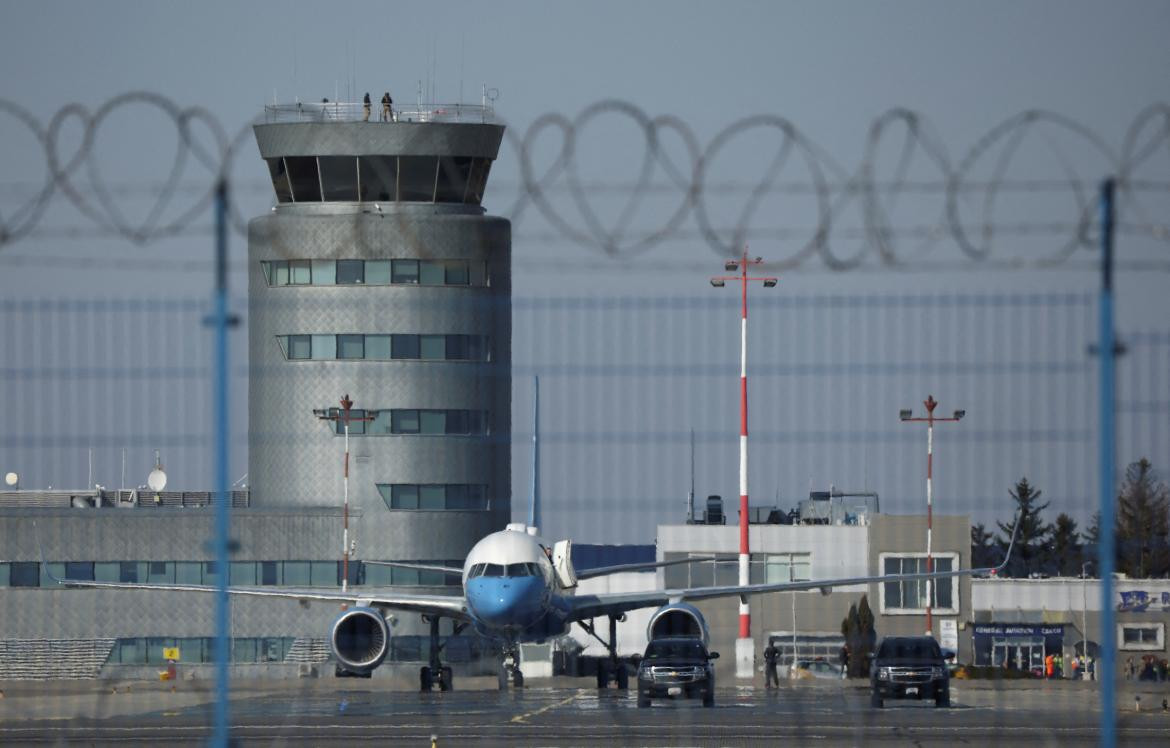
x=360, y=639
x=677, y=619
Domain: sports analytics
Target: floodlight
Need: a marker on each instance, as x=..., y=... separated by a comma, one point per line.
x=717, y=283
x=904, y=415
x=769, y=282
x=959, y=414
x=731, y=266
x=320, y=412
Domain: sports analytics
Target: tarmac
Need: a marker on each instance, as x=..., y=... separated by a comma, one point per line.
x=566, y=712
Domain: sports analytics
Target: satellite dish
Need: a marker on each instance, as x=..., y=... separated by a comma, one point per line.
x=157, y=480
x=12, y=479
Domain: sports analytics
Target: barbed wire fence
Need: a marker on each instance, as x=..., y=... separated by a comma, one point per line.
x=683, y=188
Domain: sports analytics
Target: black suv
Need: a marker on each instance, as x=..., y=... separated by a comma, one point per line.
x=676, y=666
x=909, y=667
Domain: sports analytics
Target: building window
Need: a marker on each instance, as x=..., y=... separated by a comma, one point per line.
x=298, y=347
x=279, y=180
x=411, y=421
x=339, y=178
x=773, y=568
x=441, y=497
x=304, y=178
x=351, y=346
x=350, y=272
x=374, y=272
x=379, y=178
x=24, y=574
x=1141, y=636
x=909, y=597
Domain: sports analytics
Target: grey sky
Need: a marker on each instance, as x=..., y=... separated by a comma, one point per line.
x=828, y=67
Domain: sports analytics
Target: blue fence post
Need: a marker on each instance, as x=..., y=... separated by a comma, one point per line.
x=1105, y=545
x=222, y=506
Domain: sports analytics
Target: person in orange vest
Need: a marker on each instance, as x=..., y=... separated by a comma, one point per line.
x=1049, y=666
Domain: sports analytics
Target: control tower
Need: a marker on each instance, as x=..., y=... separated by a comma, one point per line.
x=378, y=275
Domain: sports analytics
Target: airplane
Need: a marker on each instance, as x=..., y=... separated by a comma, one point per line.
x=517, y=588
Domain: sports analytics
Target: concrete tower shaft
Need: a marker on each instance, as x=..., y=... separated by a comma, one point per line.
x=377, y=274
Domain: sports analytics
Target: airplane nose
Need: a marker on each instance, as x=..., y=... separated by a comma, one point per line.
x=503, y=601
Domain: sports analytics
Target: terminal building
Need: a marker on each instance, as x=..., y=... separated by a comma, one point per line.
x=377, y=275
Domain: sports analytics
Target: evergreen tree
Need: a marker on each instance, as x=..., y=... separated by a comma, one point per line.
x=982, y=551
x=1063, y=550
x=867, y=640
x=1030, y=540
x=1142, y=519
x=860, y=636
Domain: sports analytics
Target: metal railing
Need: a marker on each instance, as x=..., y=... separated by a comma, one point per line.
x=339, y=111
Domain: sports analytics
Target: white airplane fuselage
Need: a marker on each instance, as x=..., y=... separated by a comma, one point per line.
x=512, y=590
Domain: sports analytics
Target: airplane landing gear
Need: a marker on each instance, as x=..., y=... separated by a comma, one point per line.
x=611, y=669
x=510, y=670
x=435, y=673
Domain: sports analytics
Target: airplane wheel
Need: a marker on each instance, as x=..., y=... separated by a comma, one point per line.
x=623, y=677
x=446, y=678
x=502, y=678
x=425, y=680
x=603, y=674
x=517, y=678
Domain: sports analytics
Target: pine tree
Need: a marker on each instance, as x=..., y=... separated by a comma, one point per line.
x=1030, y=539
x=982, y=552
x=1063, y=552
x=1142, y=523
x=860, y=636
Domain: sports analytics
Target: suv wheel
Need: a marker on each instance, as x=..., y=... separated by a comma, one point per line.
x=875, y=700
x=709, y=698
x=943, y=697
x=643, y=698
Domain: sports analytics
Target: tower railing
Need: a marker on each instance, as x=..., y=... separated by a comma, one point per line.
x=341, y=111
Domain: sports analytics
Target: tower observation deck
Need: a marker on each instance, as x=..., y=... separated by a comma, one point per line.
x=377, y=274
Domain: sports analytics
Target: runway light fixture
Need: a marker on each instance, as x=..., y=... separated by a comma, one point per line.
x=717, y=283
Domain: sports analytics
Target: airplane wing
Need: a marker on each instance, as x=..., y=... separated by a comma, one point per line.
x=602, y=571
x=591, y=606
x=456, y=570
x=447, y=606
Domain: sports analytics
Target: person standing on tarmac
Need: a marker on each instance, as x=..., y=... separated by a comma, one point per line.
x=844, y=657
x=771, y=656
x=366, y=107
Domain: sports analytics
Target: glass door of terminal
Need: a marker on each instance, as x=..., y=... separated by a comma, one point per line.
x=1018, y=652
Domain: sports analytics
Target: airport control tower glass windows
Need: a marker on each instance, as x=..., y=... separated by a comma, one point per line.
x=477, y=180
x=374, y=272
x=339, y=178
x=379, y=178
x=304, y=178
x=405, y=271
x=454, y=172
x=416, y=178
x=324, y=272
x=279, y=179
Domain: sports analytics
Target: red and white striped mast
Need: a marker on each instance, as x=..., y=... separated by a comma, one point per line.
x=930, y=419
x=345, y=416
x=745, y=618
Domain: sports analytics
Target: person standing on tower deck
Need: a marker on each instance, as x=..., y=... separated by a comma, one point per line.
x=386, y=104
x=366, y=107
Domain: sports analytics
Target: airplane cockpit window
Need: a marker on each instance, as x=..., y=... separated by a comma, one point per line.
x=476, y=571
x=519, y=570
x=494, y=570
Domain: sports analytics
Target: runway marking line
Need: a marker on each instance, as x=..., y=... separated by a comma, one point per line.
x=523, y=718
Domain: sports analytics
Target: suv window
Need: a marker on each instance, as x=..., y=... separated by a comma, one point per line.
x=924, y=648
x=686, y=649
